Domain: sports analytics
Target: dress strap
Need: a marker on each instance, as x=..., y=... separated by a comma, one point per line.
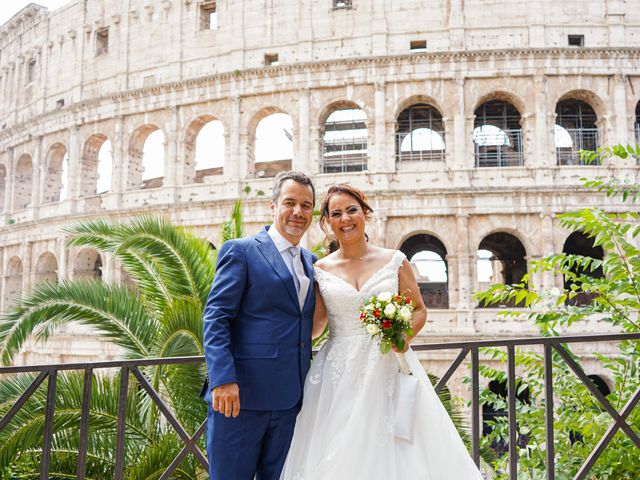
x=396, y=260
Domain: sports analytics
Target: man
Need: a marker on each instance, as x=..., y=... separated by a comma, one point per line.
x=257, y=339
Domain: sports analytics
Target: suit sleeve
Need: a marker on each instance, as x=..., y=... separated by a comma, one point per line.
x=222, y=307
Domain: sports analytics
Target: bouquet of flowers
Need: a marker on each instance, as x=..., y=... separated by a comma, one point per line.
x=388, y=317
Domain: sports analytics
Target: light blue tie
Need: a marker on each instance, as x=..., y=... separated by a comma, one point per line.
x=299, y=277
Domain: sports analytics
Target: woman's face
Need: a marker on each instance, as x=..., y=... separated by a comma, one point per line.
x=346, y=218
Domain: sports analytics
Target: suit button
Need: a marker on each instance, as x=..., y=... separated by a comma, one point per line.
x=301, y=344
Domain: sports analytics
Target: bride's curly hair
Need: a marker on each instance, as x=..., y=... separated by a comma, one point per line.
x=337, y=189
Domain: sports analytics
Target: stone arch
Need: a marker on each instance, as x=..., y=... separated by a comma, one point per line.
x=415, y=99
x=428, y=258
x=90, y=167
x=23, y=182
x=577, y=243
x=13, y=282
x=3, y=185
x=419, y=134
x=497, y=134
x=501, y=258
x=266, y=157
x=56, y=172
x=46, y=268
x=87, y=264
x=503, y=96
x=601, y=383
x=344, y=137
x=193, y=170
x=140, y=159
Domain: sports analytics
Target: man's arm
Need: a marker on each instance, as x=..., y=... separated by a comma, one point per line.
x=222, y=307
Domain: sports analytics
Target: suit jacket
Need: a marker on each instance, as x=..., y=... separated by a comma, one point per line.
x=255, y=333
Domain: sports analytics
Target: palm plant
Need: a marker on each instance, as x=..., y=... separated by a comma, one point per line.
x=161, y=317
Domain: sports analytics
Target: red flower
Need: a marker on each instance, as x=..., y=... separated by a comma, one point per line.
x=363, y=316
x=376, y=313
x=407, y=301
x=386, y=324
x=398, y=298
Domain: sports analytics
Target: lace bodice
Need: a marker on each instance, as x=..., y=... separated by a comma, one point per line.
x=343, y=301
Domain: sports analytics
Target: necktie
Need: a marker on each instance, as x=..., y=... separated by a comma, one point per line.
x=299, y=277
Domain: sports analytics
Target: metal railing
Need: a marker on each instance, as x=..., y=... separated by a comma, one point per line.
x=492, y=150
x=344, y=155
x=420, y=150
x=581, y=139
x=132, y=367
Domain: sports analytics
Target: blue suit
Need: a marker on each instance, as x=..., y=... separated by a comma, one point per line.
x=256, y=335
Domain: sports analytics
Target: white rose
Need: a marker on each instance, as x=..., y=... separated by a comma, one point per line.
x=390, y=310
x=372, y=329
x=378, y=305
x=406, y=313
x=368, y=307
x=385, y=296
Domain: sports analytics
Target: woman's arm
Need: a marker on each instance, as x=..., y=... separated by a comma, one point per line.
x=409, y=288
x=319, y=315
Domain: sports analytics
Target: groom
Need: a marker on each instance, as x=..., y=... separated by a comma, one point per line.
x=257, y=339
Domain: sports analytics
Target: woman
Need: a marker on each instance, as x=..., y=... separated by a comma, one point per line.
x=345, y=429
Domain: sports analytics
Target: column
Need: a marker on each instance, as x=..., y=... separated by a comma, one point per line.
x=464, y=257
x=302, y=161
x=546, y=248
x=621, y=135
x=379, y=159
x=75, y=164
x=543, y=131
x=9, y=185
x=39, y=165
x=171, y=159
x=119, y=160
x=233, y=157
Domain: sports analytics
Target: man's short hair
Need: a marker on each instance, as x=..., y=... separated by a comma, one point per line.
x=298, y=177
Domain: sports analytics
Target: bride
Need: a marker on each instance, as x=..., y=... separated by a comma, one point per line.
x=345, y=430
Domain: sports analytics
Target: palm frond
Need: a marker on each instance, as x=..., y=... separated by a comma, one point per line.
x=113, y=310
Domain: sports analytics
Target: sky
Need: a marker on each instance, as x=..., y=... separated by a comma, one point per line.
x=8, y=8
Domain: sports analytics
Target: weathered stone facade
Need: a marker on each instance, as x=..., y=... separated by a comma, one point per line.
x=118, y=70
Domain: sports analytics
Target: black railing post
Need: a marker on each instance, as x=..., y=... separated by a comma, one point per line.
x=475, y=405
x=122, y=418
x=513, y=426
x=48, y=424
x=548, y=413
x=84, y=423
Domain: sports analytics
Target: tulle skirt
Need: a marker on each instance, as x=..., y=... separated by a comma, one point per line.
x=345, y=429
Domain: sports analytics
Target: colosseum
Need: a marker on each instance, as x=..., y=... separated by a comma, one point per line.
x=462, y=126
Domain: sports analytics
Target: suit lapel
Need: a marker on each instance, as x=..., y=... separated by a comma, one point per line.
x=307, y=262
x=273, y=258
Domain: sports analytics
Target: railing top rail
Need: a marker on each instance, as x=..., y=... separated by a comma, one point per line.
x=503, y=342
x=506, y=342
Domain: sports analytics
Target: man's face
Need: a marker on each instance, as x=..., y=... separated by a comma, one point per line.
x=293, y=210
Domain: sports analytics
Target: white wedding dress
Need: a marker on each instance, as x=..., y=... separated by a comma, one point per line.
x=345, y=428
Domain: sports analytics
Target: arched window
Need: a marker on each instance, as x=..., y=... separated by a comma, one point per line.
x=55, y=181
x=46, y=268
x=344, y=141
x=419, y=134
x=146, y=158
x=497, y=135
x=428, y=258
x=579, y=244
x=273, y=148
x=575, y=130
x=23, y=183
x=204, y=150
x=13, y=283
x=96, y=165
x=500, y=259
x=87, y=264
x=153, y=160
x=105, y=167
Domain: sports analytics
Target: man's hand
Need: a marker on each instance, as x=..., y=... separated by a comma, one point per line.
x=226, y=399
